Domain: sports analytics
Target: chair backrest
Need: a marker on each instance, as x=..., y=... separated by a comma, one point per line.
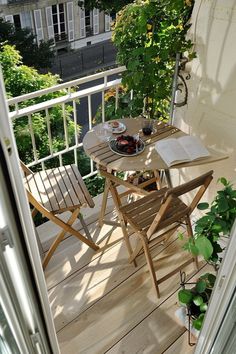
x=170, y=200
x=27, y=171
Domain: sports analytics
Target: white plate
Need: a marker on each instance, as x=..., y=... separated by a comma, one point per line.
x=119, y=130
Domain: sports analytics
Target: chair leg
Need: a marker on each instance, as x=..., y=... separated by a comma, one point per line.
x=66, y=228
x=85, y=227
x=59, y=239
x=190, y=235
x=117, y=203
x=150, y=266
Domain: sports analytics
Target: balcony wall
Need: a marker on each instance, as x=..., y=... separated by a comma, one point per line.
x=210, y=112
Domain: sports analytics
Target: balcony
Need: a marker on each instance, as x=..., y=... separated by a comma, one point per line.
x=100, y=302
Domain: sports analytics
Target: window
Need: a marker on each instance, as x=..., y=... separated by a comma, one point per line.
x=58, y=19
x=88, y=23
x=22, y=20
x=17, y=22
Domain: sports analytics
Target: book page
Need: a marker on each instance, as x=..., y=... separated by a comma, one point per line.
x=193, y=147
x=171, y=151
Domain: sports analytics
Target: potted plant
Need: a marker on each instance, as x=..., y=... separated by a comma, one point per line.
x=209, y=231
x=195, y=300
x=214, y=225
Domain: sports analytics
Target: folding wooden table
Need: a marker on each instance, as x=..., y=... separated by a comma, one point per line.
x=109, y=162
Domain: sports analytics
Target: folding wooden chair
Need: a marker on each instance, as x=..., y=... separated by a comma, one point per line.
x=128, y=187
x=159, y=213
x=54, y=191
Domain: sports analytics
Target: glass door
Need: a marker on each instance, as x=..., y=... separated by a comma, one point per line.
x=26, y=324
x=218, y=335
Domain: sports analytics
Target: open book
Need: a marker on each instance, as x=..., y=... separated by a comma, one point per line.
x=183, y=149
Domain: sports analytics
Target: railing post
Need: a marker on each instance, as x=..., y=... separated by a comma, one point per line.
x=174, y=87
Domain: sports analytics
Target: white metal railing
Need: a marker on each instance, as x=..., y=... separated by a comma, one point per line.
x=71, y=95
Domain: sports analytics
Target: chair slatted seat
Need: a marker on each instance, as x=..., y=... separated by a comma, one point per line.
x=54, y=191
x=59, y=189
x=159, y=213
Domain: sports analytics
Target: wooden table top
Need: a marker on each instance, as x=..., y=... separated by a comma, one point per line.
x=149, y=159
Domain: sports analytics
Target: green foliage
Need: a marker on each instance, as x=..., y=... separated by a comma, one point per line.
x=216, y=222
x=126, y=108
x=106, y=5
x=197, y=298
x=20, y=79
x=148, y=34
x=24, y=40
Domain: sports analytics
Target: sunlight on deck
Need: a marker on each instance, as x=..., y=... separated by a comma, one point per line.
x=101, y=303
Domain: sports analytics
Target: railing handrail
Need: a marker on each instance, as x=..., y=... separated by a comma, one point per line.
x=63, y=99
x=66, y=85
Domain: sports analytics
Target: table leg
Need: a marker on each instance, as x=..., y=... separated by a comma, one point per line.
x=168, y=178
x=104, y=202
x=158, y=178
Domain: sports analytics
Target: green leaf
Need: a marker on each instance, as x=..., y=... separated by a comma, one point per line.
x=203, y=206
x=198, y=300
x=185, y=296
x=197, y=324
x=204, y=247
x=203, y=307
x=217, y=227
x=211, y=279
x=201, y=286
x=222, y=204
x=223, y=180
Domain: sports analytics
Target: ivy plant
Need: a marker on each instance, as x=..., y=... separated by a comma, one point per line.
x=217, y=222
x=197, y=298
x=148, y=34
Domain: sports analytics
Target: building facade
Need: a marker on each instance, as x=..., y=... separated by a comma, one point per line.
x=70, y=26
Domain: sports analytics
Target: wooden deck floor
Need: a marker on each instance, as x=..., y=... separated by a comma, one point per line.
x=103, y=304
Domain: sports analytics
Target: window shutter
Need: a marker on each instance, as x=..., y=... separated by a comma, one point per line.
x=49, y=22
x=95, y=21
x=82, y=22
x=9, y=18
x=107, y=23
x=70, y=21
x=25, y=20
x=38, y=25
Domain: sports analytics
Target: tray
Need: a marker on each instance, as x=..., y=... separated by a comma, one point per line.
x=113, y=147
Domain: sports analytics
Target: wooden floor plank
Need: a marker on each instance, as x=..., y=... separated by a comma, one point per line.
x=180, y=346
x=115, y=314
x=100, y=303
x=156, y=333
x=98, y=278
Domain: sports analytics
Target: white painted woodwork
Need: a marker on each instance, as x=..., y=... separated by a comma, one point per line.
x=26, y=20
x=9, y=18
x=82, y=22
x=70, y=21
x=95, y=21
x=107, y=22
x=49, y=20
x=38, y=25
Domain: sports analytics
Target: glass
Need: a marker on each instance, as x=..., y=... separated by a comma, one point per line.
x=147, y=126
x=103, y=132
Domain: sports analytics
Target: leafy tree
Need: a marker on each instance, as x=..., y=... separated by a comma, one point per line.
x=20, y=79
x=105, y=5
x=24, y=40
x=148, y=34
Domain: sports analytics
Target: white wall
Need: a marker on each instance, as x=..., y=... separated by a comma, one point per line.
x=211, y=109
